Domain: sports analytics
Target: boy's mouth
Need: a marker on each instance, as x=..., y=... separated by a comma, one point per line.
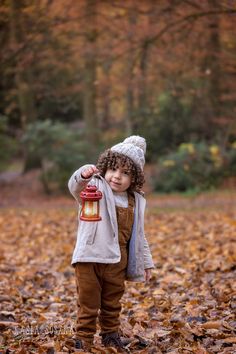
x=115, y=183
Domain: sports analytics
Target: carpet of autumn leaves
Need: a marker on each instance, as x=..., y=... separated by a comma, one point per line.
x=188, y=307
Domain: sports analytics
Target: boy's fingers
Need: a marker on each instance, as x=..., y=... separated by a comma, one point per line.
x=86, y=173
x=95, y=169
x=89, y=171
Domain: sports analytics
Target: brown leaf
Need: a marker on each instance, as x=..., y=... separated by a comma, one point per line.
x=8, y=324
x=230, y=340
x=212, y=324
x=102, y=350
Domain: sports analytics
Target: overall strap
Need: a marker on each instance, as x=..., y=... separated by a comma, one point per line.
x=131, y=200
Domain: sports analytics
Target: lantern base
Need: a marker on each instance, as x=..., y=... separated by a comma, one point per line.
x=84, y=218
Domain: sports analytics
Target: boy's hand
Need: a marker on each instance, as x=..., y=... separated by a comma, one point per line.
x=148, y=274
x=89, y=171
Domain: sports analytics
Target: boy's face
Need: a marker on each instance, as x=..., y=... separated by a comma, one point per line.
x=119, y=178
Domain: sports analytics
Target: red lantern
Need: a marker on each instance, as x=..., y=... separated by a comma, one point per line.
x=90, y=204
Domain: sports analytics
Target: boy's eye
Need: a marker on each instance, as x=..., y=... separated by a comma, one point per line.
x=126, y=172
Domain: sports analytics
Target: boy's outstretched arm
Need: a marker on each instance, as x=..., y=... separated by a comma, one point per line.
x=79, y=180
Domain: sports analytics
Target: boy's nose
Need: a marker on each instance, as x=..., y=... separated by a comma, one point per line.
x=117, y=174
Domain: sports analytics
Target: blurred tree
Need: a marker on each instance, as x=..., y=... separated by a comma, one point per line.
x=23, y=73
x=129, y=70
x=213, y=61
x=90, y=72
x=8, y=145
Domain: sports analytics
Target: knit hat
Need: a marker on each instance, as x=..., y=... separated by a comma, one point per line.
x=134, y=147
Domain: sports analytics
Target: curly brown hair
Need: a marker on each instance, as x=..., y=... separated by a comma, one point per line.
x=111, y=159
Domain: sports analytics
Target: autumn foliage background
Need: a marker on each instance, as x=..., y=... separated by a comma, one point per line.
x=77, y=77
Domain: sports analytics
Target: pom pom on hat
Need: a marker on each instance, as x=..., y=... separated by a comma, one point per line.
x=134, y=147
x=137, y=141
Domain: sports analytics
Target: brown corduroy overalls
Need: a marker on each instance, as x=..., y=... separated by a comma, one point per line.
x=101, y=286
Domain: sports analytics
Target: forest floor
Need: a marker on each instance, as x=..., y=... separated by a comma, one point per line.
x=188, y=306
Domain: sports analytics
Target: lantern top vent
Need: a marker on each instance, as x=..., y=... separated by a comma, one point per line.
x=91, y=193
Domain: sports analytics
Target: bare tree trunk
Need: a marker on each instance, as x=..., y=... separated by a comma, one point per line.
x=90, y=74
x=129, y=109
x=23, y=77
x=209, y=109
x=129, y=119
x=23, y=80
x=213, y=69
x=105, y=95
x=214, y=58
x=143, y=97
